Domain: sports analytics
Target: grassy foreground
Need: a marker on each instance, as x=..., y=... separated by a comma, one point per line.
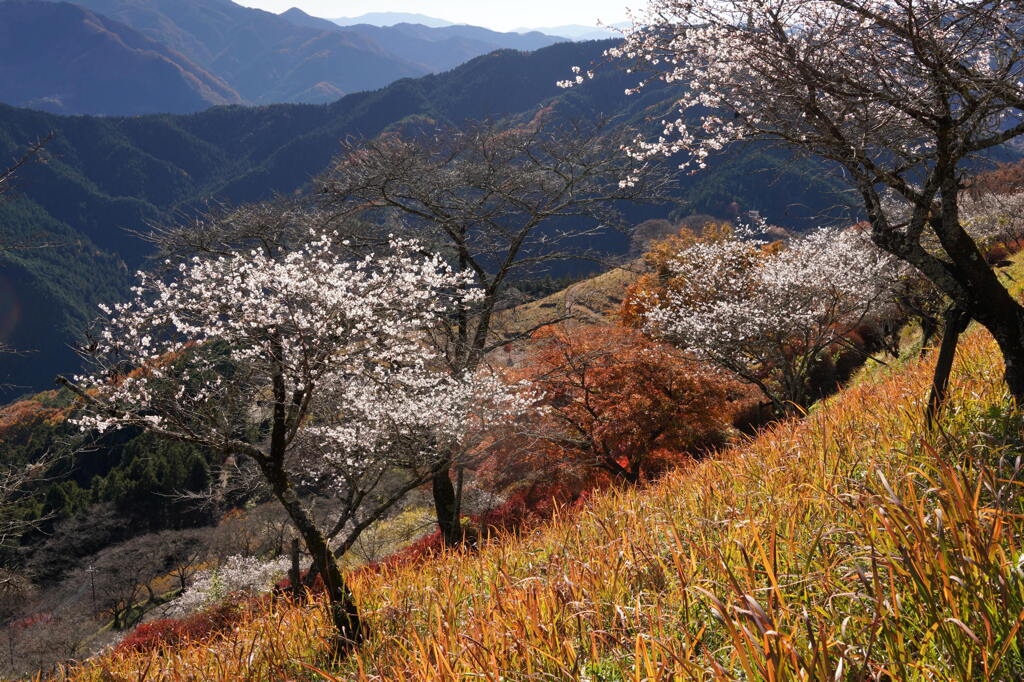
x=850, y=545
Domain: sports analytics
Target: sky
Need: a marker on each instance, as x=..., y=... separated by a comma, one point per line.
x=501, y=15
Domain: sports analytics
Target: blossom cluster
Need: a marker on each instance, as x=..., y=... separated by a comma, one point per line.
x=237, y=574
x=200, y=356
x=756, y=309
x=991, y=217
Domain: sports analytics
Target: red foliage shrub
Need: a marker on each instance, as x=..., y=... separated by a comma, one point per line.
x=285, y=584
x=619, y=406
x=1006, y=178
x=174, y=631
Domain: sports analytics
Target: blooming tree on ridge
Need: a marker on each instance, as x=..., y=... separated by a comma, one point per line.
x=504, y=204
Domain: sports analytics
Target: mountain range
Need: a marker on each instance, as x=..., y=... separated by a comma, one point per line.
x=431, y=48
x=58, y=57
x=392, y=18
x=579, y=32
x=127, y=57
x=569, y=31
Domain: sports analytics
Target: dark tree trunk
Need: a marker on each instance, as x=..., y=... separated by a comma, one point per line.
x=446, y=504
x=955, y=322
x=929, y=328
x=629, y=476
x=980, y=292
x=344, y=612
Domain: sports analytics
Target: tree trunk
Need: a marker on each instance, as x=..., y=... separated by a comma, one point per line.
x=446, y=506
x=630, y=476
x=344, y=612
x=980, y=292
x=1005, y=320
x=929, y=328
x=955, y=322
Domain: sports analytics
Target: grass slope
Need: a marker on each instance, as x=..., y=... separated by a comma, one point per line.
x=590, y=301
x=847, y=545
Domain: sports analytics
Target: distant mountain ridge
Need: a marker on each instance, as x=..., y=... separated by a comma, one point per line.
x=180, y=56
x=579, y=32
x=63, y=58
x=130, y=57
x=441, y=49
x=392, y=18
x=265, y=57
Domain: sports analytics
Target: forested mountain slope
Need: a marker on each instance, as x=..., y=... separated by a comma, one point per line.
x=106, y=176
x=63, y=58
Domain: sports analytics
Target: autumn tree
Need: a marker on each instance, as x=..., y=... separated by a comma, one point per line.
x=619, y=403
x=502, y=205
x=1004, y=179
x=898, y=94
x=308, y=364
x=656, y=279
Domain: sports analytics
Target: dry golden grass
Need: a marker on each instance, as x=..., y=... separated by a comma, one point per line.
x=589, y=302
x=850, y=545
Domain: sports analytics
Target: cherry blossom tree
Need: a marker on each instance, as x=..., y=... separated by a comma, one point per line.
x=768, y=314
x=308, y=364
x=898, y=94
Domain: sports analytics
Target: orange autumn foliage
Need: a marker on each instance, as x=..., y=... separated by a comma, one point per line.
x=1005, y=178
x=618, y=406
x=19, y=418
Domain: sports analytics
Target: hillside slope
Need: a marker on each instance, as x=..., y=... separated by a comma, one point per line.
x=61, y=58
x=852, y=544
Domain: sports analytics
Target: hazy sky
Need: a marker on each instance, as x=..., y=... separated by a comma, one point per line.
x=501, y=14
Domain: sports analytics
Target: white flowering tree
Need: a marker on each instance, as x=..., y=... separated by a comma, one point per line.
x=310, y=365
x=767, y=314
x=238, y=573
x=897, y=93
